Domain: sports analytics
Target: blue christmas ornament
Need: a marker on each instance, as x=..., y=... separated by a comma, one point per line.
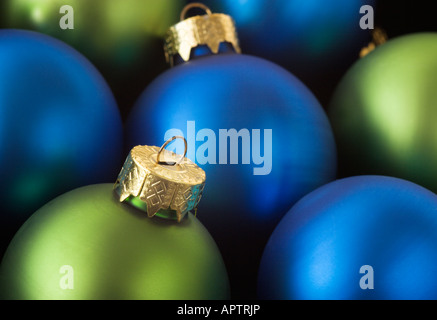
x=261, y=136
x=308, y=37
x=366, y=237
x=60, y=127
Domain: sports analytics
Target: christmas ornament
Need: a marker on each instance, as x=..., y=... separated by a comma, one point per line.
x=382, y=112
x=95, y=244
x=60, y=127
x=366, y=237
x=314, y=39
x=122, y=38
x=117, y=32
x=258, y=132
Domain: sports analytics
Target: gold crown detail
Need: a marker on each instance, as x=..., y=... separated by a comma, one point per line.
x=211, y=30
x=175, y=186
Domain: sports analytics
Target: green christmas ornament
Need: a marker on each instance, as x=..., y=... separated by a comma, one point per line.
x=97, y=243
x=116, y=33
x=383, y=112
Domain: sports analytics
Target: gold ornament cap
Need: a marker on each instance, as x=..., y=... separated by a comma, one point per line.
x=379, y=37
x=211, y=30
x=160, y=182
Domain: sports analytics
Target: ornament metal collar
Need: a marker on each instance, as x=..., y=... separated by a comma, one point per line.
x=175, y=184
x=211, y=30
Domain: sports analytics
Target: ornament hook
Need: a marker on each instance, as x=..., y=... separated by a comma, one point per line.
x=164, y=145
x=190, y=6
x=379, y=37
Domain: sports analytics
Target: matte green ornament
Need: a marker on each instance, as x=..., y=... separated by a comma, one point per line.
x=116, y=33
x=383, y=112
x=87, y=245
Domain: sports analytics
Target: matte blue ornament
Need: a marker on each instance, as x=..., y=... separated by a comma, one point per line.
x=315, y=39
x=60, y=127
x=261, y=136
x=366, y=237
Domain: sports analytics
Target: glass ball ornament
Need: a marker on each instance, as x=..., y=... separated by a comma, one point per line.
x=258, y=132
x=383, y=108
x=58, y=122
x=93, y=243
x=359, y=238
x=315, y=40
x=116, y=33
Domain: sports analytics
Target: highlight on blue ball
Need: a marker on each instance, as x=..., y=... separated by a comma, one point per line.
x=366, y=237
